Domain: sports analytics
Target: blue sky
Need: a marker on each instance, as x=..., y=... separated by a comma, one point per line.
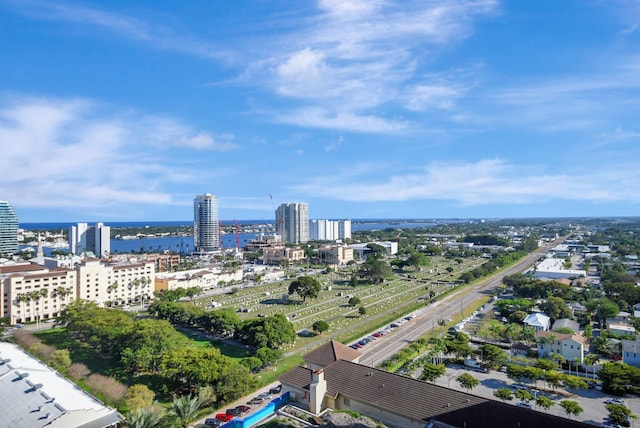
x=119, y=110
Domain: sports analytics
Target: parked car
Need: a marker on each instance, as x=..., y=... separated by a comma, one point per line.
x=256, y=400
x=224, y=417
x=239, y=410
x=525, y=404
x=519, y=386
x=615, y=401
x=212, y=422
x=276, y=389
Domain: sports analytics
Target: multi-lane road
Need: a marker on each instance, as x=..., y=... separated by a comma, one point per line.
x=427, y=318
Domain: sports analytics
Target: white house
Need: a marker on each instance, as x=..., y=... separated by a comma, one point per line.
x=537, y=320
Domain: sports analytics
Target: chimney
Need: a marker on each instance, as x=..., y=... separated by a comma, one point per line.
x=317, y=391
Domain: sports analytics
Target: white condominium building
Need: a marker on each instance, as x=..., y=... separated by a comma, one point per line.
x=95, y=239
x=329, y=230
x=206, y=233
x=292, y=223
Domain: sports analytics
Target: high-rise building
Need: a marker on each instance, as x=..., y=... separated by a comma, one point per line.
x=292, y=222
x=84, y=238
x=329, y=230
x=8, y=230
x=206, y=231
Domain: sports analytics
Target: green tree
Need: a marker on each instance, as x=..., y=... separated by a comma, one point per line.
x=616, y=376
x=493, y=355
x=544, y=402
x=544, y=364
x=467, y=381
x=503, y=394
x=193, y=366
x=268, y=355
x=431, y=372
x=138, y=396
x=553, y=378
x=574, y=382
x=362, y=310
x=273, y=332
x=305, y=286
x=524, y=395
x=376, y=251
x=252, y=363
x=375, y=270
x=603, y=309
x=418, y=260
x=354, y=280
x=145, y=344
x=354, y=301
x=555, y=307
x=185, y=409
x=571, y=408
x=320, y=326
x=223, y=322
x=619, y=414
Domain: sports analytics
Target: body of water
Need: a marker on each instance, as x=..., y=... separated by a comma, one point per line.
x=184, y=244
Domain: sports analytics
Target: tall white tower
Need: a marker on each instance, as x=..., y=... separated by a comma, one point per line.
x=206, y=233
x=295, y=222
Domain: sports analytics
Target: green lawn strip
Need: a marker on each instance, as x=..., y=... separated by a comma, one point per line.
x=270, y=375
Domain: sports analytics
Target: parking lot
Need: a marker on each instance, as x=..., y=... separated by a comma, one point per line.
x=592, y=401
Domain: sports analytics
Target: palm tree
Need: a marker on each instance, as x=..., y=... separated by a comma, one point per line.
x=592, y=360
x=185, y=409
x=145, y=418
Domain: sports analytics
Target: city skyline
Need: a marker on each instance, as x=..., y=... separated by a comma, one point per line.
x=362, y=109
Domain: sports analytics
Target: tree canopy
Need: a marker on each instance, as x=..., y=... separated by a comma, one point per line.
x=305, y=286
x=375, y=271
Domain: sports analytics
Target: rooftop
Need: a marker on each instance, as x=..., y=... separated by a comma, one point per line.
x=34, y=395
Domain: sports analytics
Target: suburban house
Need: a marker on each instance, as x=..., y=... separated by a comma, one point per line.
x=621, y=324
x=631, y=352
x=34, y=395
x=570, y=346
x=577, y=308
x=398, y=400
x=566, y=323
x=537, y=320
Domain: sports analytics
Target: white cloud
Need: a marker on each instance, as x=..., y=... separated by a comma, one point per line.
x=357, y=57
x=491, y=181
x=73, y=152
x=318, y=118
